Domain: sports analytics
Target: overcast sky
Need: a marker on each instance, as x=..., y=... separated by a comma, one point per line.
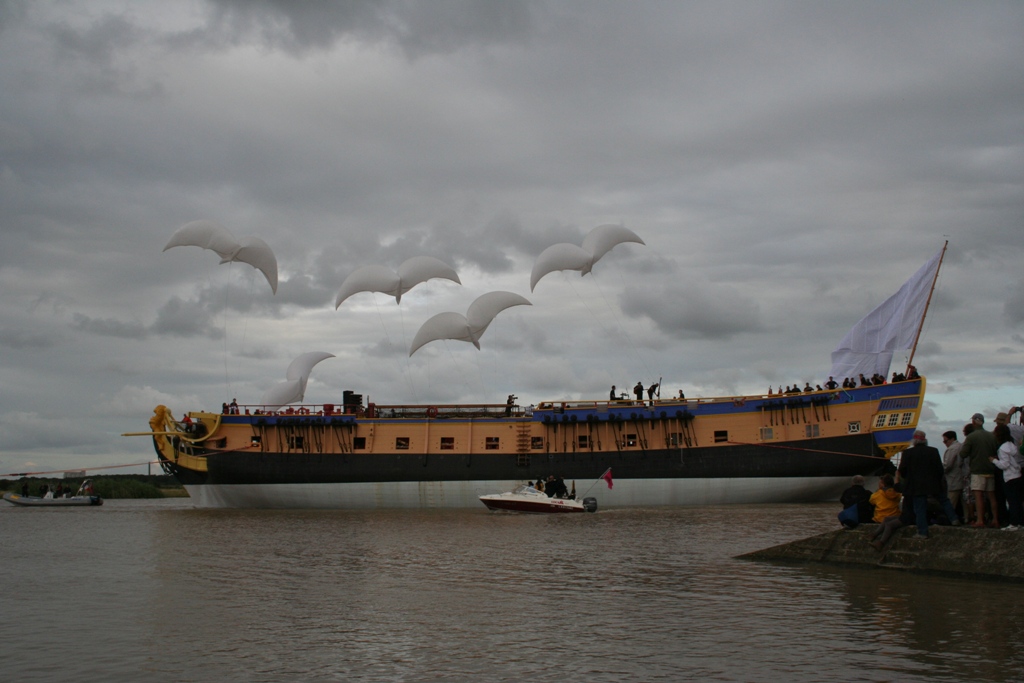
x=788, y=165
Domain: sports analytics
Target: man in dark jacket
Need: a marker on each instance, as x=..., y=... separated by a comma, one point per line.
x=859, y=496
x=922, y=476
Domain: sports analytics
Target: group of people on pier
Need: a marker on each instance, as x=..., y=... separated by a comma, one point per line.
x=977, y=482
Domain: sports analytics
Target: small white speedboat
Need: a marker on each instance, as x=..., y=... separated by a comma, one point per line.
x=84, y=496
x=36, y=501
x=529, y=499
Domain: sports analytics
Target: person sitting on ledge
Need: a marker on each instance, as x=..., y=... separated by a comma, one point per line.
x=889, y=526
x=886, y=499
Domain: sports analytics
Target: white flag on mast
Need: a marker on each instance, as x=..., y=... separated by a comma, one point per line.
x=869, y=346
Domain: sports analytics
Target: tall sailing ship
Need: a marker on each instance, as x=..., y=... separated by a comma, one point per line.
x=737, y=449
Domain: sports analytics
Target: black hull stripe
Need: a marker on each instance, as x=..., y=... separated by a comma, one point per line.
x=810, y=458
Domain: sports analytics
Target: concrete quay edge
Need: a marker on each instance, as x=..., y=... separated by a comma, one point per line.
x=991, y=554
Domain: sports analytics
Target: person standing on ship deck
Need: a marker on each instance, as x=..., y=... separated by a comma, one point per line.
x=638, y=391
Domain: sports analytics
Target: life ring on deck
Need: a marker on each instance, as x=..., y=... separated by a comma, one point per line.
x=431, y=411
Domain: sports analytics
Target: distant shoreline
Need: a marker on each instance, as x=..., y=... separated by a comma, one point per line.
x=107, y=486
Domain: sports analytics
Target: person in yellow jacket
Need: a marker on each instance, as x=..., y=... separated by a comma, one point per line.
x=886, y=499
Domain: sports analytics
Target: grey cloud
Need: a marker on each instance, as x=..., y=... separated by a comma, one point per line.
x=438, y=27
x=692, y=311
x=788, y=165
x=182, y=318
x=1014, y=306
x=99, y=57
x=11, y=11
x=259, y=352
x=23, y=339
x=98, y=44
x=305, y=291
x=33, y=432
x=109, y=327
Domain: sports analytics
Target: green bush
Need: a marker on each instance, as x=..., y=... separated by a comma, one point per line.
x=124, y=488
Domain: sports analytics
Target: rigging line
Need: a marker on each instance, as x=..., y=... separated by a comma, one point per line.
x=604, y=332
x=387, y=335
x=926, y=323
x=622, y=327
x=390, y=343
x=245, y=317
x=405, y=363
x=924, y=315
x=80, y=469
x=227, y=380
x=380, y=316
x=455, y=363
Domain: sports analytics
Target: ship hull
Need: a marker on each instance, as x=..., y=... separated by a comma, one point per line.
x=711, y=452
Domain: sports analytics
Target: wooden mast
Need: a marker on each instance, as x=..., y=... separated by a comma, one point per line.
x=927, y=303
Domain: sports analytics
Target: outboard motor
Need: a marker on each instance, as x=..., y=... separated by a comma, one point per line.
x=590, y=504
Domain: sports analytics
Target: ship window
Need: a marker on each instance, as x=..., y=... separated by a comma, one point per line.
x=880, y=421
x=908, y=419
x=630, y=439
x=359, y=443
x=295, y=442
x=218, y=443
x=894, y=419
x=812, y=430
x=255, y=440
x=491, y=443
x=721, y=435
x=447, y=443
x=536, y=442
x=583, y=441
x=853, y=427
x=401, y=443
x=767, y=433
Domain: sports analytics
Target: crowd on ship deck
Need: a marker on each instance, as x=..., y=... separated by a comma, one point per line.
x=975, y=482
x=653, y=395
x=848, y=382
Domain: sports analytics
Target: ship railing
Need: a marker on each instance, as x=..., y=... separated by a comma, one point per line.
x=442, y=411
x=493, y=410
x=602, y=406
x=385, y=411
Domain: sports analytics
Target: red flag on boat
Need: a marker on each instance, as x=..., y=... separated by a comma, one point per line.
x=607, y=476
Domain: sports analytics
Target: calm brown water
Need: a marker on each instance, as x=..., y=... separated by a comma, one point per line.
x=158, y=591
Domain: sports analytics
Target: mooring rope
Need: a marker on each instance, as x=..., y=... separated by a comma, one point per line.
x=80, y=469
x=809, y=450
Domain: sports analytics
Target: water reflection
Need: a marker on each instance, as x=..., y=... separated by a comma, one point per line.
x=470, y=595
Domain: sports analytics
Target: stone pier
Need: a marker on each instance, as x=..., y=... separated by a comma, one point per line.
x=954, y=551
